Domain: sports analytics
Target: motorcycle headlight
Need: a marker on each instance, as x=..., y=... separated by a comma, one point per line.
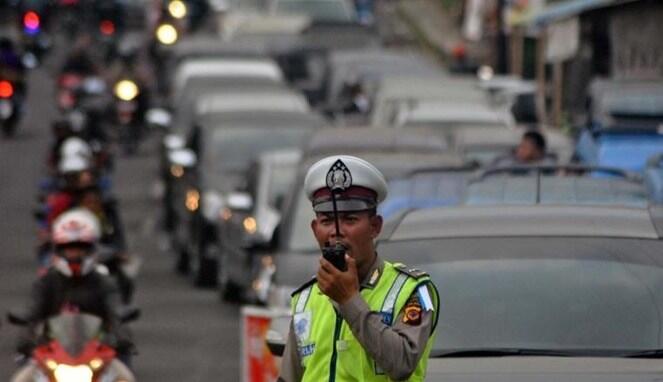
x=68, y=373
x=126, y=90
x=167, y=34
x=177, y=9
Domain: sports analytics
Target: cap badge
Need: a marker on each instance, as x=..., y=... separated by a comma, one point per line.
x=339, y=176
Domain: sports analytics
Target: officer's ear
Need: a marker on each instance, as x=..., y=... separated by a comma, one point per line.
x=376, y=225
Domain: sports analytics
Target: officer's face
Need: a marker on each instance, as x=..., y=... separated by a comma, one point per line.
x=357, y=232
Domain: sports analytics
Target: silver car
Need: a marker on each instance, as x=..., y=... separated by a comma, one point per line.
x=539, y=293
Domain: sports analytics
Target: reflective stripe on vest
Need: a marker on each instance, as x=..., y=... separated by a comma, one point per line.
x=327, y=348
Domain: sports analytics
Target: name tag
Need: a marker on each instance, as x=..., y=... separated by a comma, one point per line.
x=305, y=351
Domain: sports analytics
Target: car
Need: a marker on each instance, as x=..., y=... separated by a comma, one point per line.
x=225, y=144
x=366, y=67
x=210, y=68
x=534, y=291
x=557, y=184
x=246, y=234
x=397, y=92
x=212, y=100
x=625, y=124
x=573, y=286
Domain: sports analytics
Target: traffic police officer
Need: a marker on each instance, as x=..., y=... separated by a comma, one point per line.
x=376, y=320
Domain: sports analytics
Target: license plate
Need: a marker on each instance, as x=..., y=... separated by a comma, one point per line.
x=6, y=109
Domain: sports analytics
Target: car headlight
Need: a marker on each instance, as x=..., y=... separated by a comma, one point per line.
x=192, y=200
x=167, y=34
x=126, y=90
x=177, y=9
x=68, y=373
x=250, y=225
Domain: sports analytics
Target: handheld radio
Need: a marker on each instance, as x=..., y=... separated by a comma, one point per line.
x=338, y=180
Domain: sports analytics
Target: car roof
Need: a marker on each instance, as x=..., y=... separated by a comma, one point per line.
x=533, y=221
x=613, y=100
x=372, y=139
x=273, y=99
x=225, y=67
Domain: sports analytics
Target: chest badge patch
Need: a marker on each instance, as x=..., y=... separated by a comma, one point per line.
x=302, y=326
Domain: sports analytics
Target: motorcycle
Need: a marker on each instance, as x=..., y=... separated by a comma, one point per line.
x=9, y=107
x=73, y=350
x=73, y=88
x=128, y=110
x=36, y=41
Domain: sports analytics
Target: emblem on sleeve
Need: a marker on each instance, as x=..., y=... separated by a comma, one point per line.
x=412, y=312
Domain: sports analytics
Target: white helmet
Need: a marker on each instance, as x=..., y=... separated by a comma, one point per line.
x=75, y=147
x=77, y=225
x=73, y=164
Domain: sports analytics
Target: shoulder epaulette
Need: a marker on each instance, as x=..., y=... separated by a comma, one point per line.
x=304, y=286
x=412, y=272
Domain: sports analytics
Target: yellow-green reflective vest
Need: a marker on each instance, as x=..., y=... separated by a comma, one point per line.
x=327, y=348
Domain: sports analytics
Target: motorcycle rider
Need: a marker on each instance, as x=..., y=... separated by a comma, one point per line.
x=79, y=61
x=112, y=243
x=75, y=283
x=12, y=69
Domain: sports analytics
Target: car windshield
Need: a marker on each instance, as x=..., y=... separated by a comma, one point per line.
x=548, y=293
x=424, y=190
x=518, y=188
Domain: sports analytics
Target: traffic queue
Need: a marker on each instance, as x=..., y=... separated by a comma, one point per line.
x=512, y=238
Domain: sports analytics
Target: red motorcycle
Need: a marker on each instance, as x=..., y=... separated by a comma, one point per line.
x=73, y=351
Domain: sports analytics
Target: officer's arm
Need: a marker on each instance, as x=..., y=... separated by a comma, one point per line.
x=291, y=367
x=396, y=349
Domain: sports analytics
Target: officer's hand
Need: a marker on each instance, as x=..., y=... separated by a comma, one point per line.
x=337, y=285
